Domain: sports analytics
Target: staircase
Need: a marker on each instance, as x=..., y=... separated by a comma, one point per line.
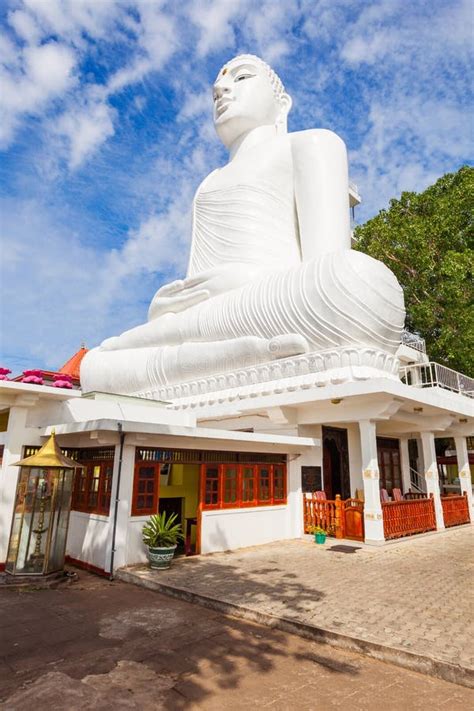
x=417, y=481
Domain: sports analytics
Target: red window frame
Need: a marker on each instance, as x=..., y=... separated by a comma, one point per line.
x=245, y=501
x=93, y=487
x=279, y=491
x=217, y=493
x=146, y=489
x=211, y=489
x=230, y=494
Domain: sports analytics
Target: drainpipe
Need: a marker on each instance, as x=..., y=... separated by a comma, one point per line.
x=117, y=499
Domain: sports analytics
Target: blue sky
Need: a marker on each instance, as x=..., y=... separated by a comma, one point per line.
x=106, y=132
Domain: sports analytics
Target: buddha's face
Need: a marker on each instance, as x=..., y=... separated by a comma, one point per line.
x=243, y=100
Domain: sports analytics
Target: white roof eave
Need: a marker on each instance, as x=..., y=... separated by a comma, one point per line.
x=188, y=433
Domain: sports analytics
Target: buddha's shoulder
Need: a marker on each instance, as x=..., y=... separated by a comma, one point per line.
x=315, y=137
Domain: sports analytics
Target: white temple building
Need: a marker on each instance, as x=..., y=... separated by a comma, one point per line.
x=272, y=389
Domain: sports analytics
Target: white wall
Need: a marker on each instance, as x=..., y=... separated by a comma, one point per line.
x=227, y=529
x=136, y=551
x=88, y=538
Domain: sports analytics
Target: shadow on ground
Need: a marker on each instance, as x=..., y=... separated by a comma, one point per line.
x=100, y=644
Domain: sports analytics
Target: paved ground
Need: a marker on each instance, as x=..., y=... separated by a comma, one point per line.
x=414, y=596
x=101, y=645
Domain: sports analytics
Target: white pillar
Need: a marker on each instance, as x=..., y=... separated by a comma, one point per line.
x=295, y=498
x=405, y=464
x=125, y=502
x=373, y=518
x=464, y=471
x=431, y=474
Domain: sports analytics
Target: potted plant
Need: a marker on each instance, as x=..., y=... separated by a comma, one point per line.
x=161, y=535
x=319, y=534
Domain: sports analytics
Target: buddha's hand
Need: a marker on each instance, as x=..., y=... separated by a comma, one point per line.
x=184, y=293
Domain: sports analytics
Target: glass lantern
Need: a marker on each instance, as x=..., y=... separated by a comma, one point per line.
x=37, y=543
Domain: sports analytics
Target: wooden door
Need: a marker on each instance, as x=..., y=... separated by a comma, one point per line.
x=336, y=462
x=353, y=514
x=389, y=464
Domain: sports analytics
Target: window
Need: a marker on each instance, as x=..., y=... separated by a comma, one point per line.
x=92, y=481
x=145, y=489
x=279, y=473
x=211, y=487
x=248, y=485
x=92, y=488
x=242, y=485
x=230, y=481
x=264, y=484
x=105, y=490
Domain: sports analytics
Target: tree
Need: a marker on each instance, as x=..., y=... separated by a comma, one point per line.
x=427, y=241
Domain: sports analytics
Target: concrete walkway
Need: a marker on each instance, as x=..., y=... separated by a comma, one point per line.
x=106, y=646
x=409, y=603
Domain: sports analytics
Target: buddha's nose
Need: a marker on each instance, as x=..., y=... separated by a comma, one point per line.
x=220, y=90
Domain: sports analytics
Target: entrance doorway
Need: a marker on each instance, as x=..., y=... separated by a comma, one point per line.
x=388, y=452
x=336, y=463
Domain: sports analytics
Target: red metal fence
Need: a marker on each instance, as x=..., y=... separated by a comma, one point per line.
x=455, y=510
x=404, y=518
x=340, y=518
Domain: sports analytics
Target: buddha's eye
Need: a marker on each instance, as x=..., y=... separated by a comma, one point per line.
x=241, y=77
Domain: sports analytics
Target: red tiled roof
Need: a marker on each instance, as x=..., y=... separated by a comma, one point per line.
x=72, y=366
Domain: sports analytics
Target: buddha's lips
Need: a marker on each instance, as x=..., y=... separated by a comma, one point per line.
x=222, y=106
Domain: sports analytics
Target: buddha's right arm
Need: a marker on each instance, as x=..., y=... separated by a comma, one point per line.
x=184, y=293
x=321, y=181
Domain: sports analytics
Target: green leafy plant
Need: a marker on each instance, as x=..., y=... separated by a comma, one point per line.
x=162, y=532
x=317, y=529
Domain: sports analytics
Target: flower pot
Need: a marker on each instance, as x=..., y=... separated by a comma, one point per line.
x=320, y=538
x=160, y=558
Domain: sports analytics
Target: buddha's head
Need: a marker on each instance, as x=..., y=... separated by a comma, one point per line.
x=247, y=94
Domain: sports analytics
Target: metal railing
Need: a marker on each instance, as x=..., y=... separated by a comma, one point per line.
x=413, y=341
x=434, y=375
x=417, y=481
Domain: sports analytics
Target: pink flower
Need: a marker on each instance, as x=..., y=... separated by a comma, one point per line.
x=33, y=376
x=4, y=372
x=61, y=380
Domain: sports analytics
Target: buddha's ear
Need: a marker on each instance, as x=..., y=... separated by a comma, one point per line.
x=286, y=103
x=285, y=107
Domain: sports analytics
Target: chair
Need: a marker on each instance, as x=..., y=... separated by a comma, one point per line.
x=359, y=494
x=397, y=495
x=320, y=495
x=384, y=497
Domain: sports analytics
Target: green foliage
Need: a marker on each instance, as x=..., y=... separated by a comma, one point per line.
x=427, y=241
x=162, y=532
x=317, y=529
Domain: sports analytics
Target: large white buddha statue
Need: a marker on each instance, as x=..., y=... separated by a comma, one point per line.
x=271, y=273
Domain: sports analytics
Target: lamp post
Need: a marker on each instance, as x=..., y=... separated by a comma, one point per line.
x=40, y=523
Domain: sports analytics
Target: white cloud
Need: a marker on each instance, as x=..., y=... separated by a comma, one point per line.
x=213, y=18
x=86, y=129
x=39, y=75
x=196, y=104
x=24, y=26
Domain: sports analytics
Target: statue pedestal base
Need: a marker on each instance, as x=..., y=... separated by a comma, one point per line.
x=301, y=372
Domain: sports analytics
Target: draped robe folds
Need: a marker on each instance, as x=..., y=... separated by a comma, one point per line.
x=244, y=214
